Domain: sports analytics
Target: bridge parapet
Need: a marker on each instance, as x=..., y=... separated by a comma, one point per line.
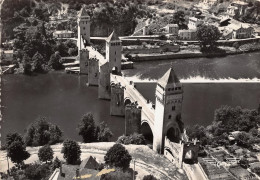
x=132, y=93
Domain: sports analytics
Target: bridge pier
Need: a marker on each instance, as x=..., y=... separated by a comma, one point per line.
x=93, y=72
x=117, y=107
x=83, y=61
x=133, y=114
x=104, y=89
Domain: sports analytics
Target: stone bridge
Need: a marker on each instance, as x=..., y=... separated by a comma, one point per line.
x=133, y=97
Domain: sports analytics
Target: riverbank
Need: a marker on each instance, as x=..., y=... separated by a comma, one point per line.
x=145, y=160
x=190, y=55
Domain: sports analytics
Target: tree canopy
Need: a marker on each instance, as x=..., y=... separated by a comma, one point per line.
x=117, y=156
x=71, y=151
x=179, y=18
x=16, y=149
x=45, y=153
x=208, y=35
x=41, y=132
x=92, y=133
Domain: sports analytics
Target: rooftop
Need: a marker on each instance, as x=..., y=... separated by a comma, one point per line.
x=83, y=12
x=168, y=78
x=113, y=37
x=62, y=32
x=173, y=25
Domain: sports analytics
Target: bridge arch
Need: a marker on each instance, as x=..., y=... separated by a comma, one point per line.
x=147, y=131
x=189, y=156
x=173, y=134
x=115, y=70
x=127, y=101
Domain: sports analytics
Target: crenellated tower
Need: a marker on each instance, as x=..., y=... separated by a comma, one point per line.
x=83, y=28
x=113, y=53
x=167, y=122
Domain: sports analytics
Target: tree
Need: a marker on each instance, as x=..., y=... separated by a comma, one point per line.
x=103, y=132
x=71, y=151
x=208, y=35
x=243, y=139
x=132, y=139
x=42, y=132
x=45, y=153
x=17, y=152
x=149, y=177
x=38, y=62
x=12, y=137
x=87, y=128
x=179, y=18
x=118, y=156
x=55, y=61
x=26, y=64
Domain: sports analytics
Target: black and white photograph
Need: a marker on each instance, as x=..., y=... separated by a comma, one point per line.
x=130, y=89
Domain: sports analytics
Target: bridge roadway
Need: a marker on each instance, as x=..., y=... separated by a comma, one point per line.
x=134, y=95
x=95, y=54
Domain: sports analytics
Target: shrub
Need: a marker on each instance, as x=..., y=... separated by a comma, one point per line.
x=118, y=156
x=149, y=177
x=71, y=151
x=256, y=170
x=37, y=171
x=236, y=45
x=117, y=175
x=45, y=153
x=132, y=139
x=56, y=164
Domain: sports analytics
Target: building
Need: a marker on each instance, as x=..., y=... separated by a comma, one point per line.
x=84, y=25
x=242, y=33
x=63, y=34
x=172, y=29
x=6, y=56
x=241, y=5
x=210, y=2
x=194, y=22
x=168, y=108
x=114, y=52
x=87, y=167
x=232, y=10
x=190, y=34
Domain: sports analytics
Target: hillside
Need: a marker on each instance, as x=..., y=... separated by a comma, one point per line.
x=106, y=16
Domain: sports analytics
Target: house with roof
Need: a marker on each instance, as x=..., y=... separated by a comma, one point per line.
x=241, y=6
x=194, y=22
x=88, y=169
x=63, y=34
x=242, y=33
x=232, y=10
x=172, y=29
x=190, y=34
x=6, y=56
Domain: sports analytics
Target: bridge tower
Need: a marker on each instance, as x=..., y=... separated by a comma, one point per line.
x=83, y=27
x=113, y=53
x=167, y=121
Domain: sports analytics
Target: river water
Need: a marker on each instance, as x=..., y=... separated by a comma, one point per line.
x=64, y=98
x=242, y=66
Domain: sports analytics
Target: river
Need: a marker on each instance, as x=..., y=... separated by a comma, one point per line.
x=64, y=98
x=242, y=66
